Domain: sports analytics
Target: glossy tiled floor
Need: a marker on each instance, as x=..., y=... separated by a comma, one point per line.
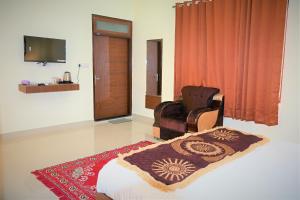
x=23, y=152
x=26, y=151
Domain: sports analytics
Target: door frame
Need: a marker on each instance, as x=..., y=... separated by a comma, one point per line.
x=127, y=36
x=151, y=101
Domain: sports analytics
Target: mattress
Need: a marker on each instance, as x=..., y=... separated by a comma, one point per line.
x=269, y=172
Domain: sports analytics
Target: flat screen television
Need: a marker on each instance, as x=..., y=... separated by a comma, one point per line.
x=44, y=50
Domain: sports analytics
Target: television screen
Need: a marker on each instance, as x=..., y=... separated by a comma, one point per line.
x=38, y=49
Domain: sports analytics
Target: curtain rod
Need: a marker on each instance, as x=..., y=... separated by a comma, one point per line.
x=191, y=2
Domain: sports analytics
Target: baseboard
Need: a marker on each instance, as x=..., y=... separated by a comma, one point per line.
x=142, y=118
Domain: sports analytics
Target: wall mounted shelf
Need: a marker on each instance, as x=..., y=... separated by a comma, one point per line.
x=48, y=88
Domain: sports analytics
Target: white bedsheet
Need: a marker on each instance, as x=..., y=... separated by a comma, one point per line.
x=269, y=172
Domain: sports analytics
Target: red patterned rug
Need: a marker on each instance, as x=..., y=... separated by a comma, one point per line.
x=77, y=179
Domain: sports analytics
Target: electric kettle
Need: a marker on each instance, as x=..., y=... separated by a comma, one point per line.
x=67, y=77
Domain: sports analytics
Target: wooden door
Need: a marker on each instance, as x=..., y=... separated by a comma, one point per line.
x=111, y=77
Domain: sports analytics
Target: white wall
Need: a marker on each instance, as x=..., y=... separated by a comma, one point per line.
x=298, y=64
x=156, y=19
x=65, y=19
x=152, y=20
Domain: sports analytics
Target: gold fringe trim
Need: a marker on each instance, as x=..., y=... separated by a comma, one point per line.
x=166, y=188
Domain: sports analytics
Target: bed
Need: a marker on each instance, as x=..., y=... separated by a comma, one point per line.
x=268, y=172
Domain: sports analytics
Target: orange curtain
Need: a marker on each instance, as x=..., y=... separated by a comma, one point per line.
x=237, y=46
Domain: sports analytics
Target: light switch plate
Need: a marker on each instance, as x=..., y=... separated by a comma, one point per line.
x=83, y=65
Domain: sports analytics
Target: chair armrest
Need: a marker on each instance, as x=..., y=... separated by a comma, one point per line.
x=202, y=118
x=218, y=103
x=157, y=112
x=175, y=108
x=165, y=109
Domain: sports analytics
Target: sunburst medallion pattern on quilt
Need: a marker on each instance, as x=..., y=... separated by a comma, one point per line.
x=203, y=148
x=224, y=134
x=173, y=169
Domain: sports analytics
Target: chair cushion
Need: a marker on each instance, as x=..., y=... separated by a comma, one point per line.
x=197, y=97
x=177, y=123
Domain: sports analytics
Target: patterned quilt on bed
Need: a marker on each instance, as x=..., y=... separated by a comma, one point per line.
x=175, y=163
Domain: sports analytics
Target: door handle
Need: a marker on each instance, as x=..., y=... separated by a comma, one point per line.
x=96, y=79
x=156, y=77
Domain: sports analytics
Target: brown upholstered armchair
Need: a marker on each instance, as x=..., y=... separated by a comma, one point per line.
x=200, y=108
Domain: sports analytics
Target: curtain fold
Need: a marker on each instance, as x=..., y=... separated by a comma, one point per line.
x=237, y=46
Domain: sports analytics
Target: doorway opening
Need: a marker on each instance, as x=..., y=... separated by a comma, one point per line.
x=154, y=73
x=111, y=67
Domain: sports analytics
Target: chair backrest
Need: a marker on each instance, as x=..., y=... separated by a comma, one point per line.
x=197, y=97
